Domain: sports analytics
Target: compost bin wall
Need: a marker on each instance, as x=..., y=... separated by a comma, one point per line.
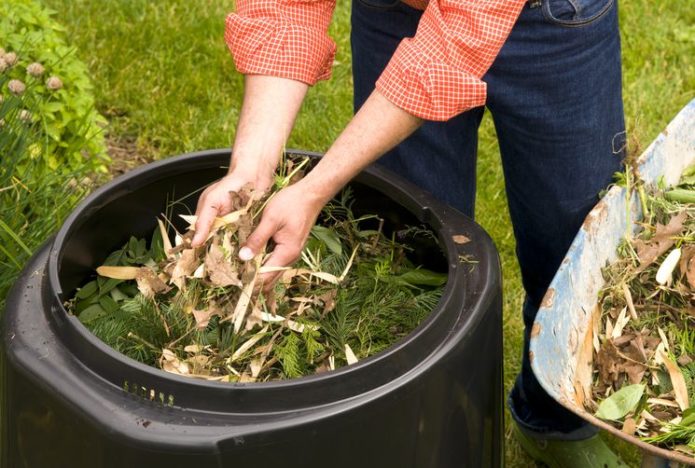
x=431, y=400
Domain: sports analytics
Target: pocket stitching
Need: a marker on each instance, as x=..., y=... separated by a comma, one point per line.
x=575, y=23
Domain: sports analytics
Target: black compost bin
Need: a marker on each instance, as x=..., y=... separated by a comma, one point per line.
x=432, y=400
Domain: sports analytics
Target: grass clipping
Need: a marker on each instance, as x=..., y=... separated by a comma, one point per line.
x=200, y=313
x=644, y=348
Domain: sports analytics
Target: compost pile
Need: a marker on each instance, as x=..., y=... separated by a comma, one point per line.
x=202, y=312
x=644, y=345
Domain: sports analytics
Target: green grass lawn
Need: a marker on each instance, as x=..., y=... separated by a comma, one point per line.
x=166, y=82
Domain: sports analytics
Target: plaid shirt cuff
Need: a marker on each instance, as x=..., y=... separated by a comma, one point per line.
x=266, y=40
x=427, y=88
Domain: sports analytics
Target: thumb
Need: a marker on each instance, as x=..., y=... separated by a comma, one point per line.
x=259, y=238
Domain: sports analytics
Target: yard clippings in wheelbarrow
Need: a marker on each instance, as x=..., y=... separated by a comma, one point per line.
x=201, y=312
x=644, y=343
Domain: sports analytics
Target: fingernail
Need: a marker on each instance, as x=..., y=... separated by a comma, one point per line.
x=245, y=254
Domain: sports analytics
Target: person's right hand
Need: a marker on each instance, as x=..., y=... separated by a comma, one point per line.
x=215, y=200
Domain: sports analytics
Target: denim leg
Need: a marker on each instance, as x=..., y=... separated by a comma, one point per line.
x=439, y=157
x=555, y=96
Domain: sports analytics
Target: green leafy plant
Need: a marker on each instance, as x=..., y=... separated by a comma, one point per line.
x=50, y=134
x=38, y=65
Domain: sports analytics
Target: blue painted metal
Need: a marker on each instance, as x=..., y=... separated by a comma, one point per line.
x=562, y=337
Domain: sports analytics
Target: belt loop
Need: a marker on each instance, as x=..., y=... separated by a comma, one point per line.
x=534, y=3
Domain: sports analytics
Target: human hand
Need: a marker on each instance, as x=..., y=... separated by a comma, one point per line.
x=215, y=200
x=287, y=219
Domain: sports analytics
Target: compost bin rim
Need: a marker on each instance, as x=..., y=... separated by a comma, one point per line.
x=468, y=292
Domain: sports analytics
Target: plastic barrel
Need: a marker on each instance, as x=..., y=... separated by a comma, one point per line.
x=431, y=400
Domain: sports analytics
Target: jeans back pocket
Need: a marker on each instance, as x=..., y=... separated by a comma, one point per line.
x=575, y=12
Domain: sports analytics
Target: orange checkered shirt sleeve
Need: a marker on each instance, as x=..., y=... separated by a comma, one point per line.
x=434, y=75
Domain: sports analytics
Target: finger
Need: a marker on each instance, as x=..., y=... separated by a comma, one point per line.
x=202, y=200
x=206, y=218
x=258, y=238
x=282, y=256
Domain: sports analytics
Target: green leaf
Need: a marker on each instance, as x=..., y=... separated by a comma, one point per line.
x=52, y=106
x=423, y=277
x=329, y=238
x=157, y=246
x=117, y=295
x=106, y=286
x=623, y=401
x=688, y=417
x=87, y=290
x=84, y=304
x=108, y=304
x=91, y=314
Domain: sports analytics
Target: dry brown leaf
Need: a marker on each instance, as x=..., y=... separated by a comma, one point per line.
x=118, y=272
x=607, y=360
x=166, y=243
x=169, y=362
x=350, y=355
x=635, y=372
x=248, y=344
x=662, y=402
x=246, y=378
x=221, y=271
x=328, y=300
x=635, y=349
x=687, y=264
x=245, y=299
x=620, y=323
x=256, y=365
x=184, y=267
x=663, y=239
x=244, y=227
x=202, y=317
x=194, y=348
x=289, y=273
x=677, y=380
x=684, y=360
x=200, y=364
x=324, y=366
x=255, y=317
x=149, y=284
x=629, y=426
x=630, y=302
x=664, y=339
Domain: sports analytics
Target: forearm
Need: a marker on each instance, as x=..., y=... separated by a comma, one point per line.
x=378, y=127
x=267, y=116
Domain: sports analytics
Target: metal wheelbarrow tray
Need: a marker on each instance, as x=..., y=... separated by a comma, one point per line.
x=561, y=339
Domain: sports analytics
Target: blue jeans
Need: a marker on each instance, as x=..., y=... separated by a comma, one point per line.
x=554, y=93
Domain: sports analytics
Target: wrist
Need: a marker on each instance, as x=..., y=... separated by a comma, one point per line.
x=258, y=170
x=316, y=191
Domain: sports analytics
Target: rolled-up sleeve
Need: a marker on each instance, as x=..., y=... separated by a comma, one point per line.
x=284, y=38
x=437, y=74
